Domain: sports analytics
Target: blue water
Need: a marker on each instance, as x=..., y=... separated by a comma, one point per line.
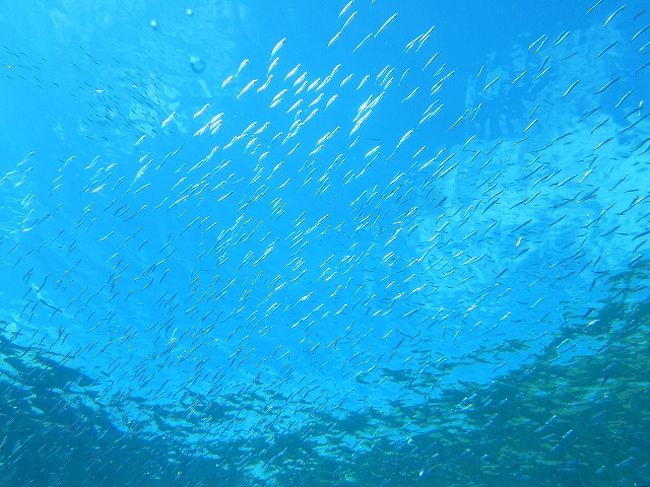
x=319, y=243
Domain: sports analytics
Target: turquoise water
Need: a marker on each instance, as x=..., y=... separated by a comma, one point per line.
x=324, y=243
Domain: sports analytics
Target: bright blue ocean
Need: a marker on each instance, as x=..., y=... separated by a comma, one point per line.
x=375, y=243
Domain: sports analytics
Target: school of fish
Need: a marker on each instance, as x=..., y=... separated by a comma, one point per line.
x=331, y=273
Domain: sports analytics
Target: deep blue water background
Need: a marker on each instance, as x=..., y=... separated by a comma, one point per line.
x=270, y=314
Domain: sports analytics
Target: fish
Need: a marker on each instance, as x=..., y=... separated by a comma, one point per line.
x=201, y=111
x=241, y=67
x=168, y=119
x=246, y=88
x=280, y=44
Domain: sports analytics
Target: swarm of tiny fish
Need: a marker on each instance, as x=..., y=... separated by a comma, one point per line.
x=337, y=274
